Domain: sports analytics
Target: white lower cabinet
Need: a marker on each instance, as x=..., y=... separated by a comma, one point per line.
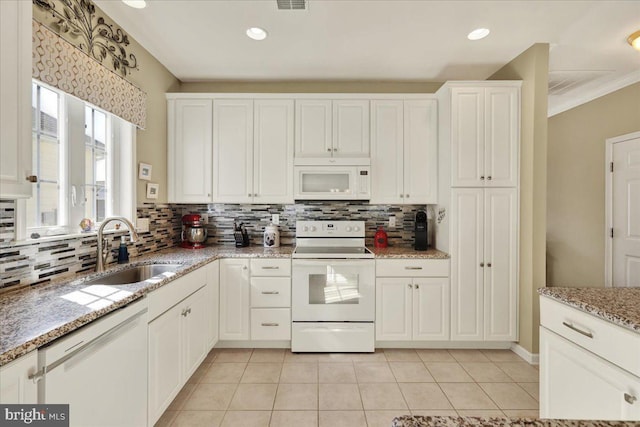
x=178, y=338
x=411, y=308
x=234, y=299
x=213, y=286
x=270, y=324
x=15, y=385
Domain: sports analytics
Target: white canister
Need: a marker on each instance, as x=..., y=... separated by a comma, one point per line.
x=271, y=236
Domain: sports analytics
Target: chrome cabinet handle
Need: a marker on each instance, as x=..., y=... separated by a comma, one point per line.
x=249, y=195
x=407, y=196
x=410, y=286
x=270, y=267
x=244, y=267
x=630, y=399
x=482, y=177
x=184, y=312
x=413, y=268
x=489, y=265
x=402, y=196
x=329, y=149
x=270, y=324
x=255, y=194
x=270, y=293
x=580, y=331
x=482, y=264
x=417, y=286
x=489, y=178
x=335, y=149
x=32, y=178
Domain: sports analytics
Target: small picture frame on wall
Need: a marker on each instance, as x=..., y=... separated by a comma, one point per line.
x=152, y=191
x=144, y=171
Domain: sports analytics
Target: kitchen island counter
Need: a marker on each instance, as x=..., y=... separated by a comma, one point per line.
x=408, y=253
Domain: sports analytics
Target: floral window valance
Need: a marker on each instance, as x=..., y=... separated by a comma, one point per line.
x=58, y=63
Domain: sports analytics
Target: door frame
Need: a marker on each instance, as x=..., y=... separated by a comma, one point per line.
x=608, y=204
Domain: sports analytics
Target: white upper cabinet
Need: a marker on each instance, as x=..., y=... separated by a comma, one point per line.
x=273, y=151
x=233, y=150
x=485, y=136
x=190, y=150
x=326, y=128
x=404, y=151
x=15, y=102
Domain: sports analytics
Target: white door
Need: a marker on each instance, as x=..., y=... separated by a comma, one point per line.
x=350, y=128
x=15, y=385
x=387, y=152
x=431, y=309
x=195, y=328
x=626, y=213
x=190, y=150
x=165, y=361
x=500, y=264
x=467, y=264
x=394, y=309
x=234, y=299
x=467, y=137
x=273, y=151
x=576, y=384
x=313, y=128
x=232, y=151
x=420, y=152
x=502, y=136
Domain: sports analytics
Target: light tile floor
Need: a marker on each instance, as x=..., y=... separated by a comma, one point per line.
x=274, y=387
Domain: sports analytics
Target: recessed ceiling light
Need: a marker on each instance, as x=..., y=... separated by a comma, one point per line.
x=478, y=33
x=136, y=4
x=256, y=33
x=634, y=40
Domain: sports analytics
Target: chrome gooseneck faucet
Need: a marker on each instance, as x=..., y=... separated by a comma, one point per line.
x=103, y=244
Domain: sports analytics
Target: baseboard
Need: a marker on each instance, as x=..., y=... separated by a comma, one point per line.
x=531, y=358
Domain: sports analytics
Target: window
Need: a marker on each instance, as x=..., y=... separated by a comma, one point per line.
x=83, y=158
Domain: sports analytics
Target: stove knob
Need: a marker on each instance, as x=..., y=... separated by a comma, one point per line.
x=348, y=228
x=356, y=228
x=312, y=228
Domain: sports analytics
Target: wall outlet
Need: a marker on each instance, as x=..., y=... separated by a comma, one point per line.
x=275, y=219
x=205, y=219
x=142, y=225
x=392, y=222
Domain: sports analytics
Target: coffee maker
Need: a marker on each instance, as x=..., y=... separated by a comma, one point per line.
x=193, y=232
x=421, y=231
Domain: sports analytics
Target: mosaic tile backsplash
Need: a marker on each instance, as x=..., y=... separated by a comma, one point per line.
x=36, y=262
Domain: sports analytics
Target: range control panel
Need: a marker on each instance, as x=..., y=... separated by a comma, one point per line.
x=330, y=228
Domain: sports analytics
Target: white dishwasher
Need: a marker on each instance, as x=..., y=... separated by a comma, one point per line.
x=100, y=370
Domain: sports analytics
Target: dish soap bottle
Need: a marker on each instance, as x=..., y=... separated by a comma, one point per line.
x=123, y=253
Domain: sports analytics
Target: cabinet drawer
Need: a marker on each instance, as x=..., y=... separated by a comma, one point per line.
x=611, y=342
x=270, y=292
x=172, y=293
x=270, y=324
x=270, y=267
x=412, y=268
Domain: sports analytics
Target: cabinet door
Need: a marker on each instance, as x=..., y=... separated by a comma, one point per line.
x=273, y=151
x=233, y=151
x=15, y=385
x=190, y=150
x=213, y=302
x=165, y=361
x=420, y=152
x=234, y=299
x=195, y=330
x=393, y=309
x=467, y=137
x=502, y=136
x=15, y=102
x=351, y=128
x=431, y=309
x=576, y=384
x=313, y=128
x=387, y=140
x=467, y=226
x=501, y=264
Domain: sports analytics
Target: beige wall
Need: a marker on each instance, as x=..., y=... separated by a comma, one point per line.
x=576, y=191
x=153, y=78
x=311, y=87
x=532, y=67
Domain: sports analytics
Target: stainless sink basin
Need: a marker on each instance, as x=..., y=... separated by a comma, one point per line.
x=136, y=274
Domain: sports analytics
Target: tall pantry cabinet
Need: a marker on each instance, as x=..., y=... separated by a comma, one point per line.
x=479, y=137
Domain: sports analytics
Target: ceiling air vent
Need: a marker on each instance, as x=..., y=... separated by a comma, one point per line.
x=292, y=4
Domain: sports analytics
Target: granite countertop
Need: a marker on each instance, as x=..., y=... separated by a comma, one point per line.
x=433, y=421
x=34, y=316
x=408, y=252
x=620, y=306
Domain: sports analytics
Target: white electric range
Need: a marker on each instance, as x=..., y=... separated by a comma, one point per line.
x=333, y=288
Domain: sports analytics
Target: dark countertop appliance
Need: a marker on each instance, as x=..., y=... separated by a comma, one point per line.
x=241, y=235
x=421, y=231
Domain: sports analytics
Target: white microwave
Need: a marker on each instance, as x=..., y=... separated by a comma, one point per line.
x=332, y=183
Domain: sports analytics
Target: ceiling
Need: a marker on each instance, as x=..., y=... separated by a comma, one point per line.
x=390, y=40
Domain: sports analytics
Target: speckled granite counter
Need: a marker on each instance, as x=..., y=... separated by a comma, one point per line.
x=408, y=252
x=426, y=421
x=34, y=316
x=617, y=305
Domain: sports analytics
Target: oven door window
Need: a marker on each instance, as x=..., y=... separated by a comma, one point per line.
x=334, y=288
